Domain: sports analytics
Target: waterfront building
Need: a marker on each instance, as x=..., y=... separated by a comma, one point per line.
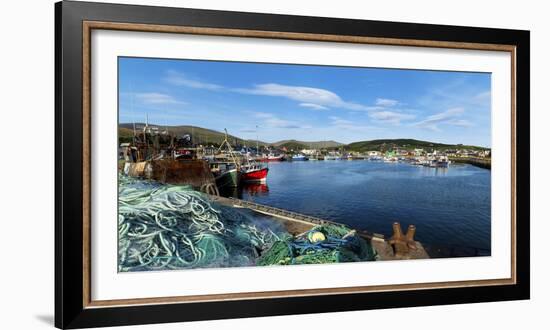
x=309, y=152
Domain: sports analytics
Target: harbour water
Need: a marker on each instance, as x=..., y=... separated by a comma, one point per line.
x=451, y=207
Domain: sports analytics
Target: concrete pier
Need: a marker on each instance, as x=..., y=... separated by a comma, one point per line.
x=479, y=162
x=297, y=223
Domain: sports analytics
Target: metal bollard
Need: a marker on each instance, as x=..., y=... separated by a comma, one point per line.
x=402, y=244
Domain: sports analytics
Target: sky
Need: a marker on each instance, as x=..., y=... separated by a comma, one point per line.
x=276, y=102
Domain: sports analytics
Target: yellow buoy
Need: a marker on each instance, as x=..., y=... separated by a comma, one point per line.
x=316, y=236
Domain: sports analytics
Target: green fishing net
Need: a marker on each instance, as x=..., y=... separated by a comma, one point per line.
x=164, y=227
x=339, y=244
x=174, y=227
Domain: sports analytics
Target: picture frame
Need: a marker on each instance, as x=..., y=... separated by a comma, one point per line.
x=74, y=304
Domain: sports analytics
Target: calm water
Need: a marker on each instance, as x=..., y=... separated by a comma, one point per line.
x=450, y=207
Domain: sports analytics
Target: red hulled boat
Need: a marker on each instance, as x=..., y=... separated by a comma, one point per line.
x=254, y=172
x=271, y=158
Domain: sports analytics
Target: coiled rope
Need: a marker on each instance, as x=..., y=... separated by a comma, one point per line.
x=174, y=227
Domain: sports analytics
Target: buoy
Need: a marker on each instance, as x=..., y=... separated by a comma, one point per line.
x=316, y=236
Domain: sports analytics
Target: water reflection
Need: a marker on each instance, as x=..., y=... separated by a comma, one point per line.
x=256, y=189
x=249, y=189
x=434, y=171
x=233, y=192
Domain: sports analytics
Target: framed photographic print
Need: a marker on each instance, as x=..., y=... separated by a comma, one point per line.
x=214, y=164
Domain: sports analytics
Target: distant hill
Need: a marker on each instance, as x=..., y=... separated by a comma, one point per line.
x=306, y=144
x=125, y=134
x=199, y=134
x=207, y=136
x=409, y=144
x=292, y=146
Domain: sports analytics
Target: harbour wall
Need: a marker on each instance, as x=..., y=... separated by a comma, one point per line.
x=479, y=162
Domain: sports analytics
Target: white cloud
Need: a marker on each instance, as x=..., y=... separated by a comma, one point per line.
x=446, y=114
x=483, y=97
x=179, y=79
x=271, y=120
x=313, y=106
x=156, y=98
x=308, y=97
x=448, y=117
x=460, y=122
x=304, y=95
x=456, y=93
x=390, y=117
x=349, y=125
x=386, y=102
x=337, y=121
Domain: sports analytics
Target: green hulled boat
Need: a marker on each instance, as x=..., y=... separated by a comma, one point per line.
x=228, y=178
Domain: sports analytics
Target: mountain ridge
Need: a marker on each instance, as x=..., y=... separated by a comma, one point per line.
x=205, y=136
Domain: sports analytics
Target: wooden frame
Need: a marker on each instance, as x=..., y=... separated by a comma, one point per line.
x=74, y=23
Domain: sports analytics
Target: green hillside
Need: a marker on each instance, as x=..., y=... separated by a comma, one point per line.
x=292, y=146
x=125, y=135
x=200, y=135
x=307, y=145
x=408, y=144
x=211, y=137
x=207, y=136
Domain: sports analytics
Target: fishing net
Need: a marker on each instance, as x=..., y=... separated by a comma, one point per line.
x=164, y=227
x=174, y=227
x=337, y=243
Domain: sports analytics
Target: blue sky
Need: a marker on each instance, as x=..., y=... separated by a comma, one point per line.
x=308, y=103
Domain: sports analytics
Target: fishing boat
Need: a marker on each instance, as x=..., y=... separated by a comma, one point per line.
x=420, y=161
x=271, y=158
x=253, y=172
x=158, y=155
x=299, y=157
x=274, y=158
x=332, y=157
x=183, y=153
x=441, y=161
x=226, y=174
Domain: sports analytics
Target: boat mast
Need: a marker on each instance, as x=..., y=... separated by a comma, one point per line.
x=132, y=111
x=257, y=142
x=226, y=141
x=145, y=133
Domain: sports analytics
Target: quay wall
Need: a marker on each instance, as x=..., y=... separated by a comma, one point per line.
x=479, y=162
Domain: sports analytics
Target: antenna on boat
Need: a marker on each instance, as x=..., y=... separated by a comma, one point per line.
x=145, y=130
x=257, y=141
x=132, y=110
